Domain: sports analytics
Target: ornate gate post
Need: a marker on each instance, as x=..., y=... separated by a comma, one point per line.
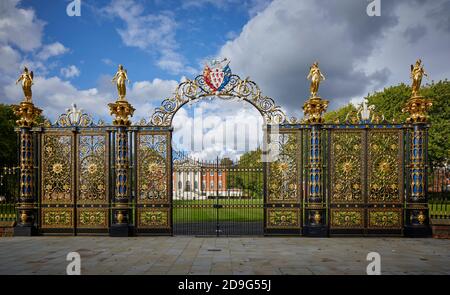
x=315, y=204
x=122, y=110
x=416, y=211
x=27, y=113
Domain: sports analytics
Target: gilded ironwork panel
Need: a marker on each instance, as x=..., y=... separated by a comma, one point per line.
x=347, y=170
x=92, y=218
x=385, y=181
x=347, y=218
x=57, y=168
x=283, y=179
x=57, y=218
x=154, y=218
x=385, y=218
x=283, y=218
x=152, y=168
x=92, y=169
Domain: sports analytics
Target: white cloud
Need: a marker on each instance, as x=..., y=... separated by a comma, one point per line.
x=150, y=32
x=70, y=71
x=19, y=26
x=54, y=95
x=9, y=59
x=358, y=54
x=52, y=50
x=107, y=61
x=217, y=128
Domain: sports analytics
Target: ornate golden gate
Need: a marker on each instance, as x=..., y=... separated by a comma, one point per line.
x=363, y=176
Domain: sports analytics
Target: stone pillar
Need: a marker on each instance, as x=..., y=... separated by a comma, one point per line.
x=315, y=202
x=26, y=217
x=122, y=110
x=416, y=209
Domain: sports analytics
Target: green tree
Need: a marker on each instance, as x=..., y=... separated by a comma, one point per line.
x=8, y=137
x=339, y=114
x=391, y=100
x=245, y=177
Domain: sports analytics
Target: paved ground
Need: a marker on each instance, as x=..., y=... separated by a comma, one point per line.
x=190, y=255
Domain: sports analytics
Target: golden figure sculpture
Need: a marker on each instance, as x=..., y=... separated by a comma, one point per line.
x=316, y=76
x=417, y=72
x=27, y=80
x=121, y=78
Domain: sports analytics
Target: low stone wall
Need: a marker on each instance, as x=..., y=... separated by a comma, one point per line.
x=440, y=228
x=7, y=228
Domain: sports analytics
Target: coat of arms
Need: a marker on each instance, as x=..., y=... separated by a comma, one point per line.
x=217, y=74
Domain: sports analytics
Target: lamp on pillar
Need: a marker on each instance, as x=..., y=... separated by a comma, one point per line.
x=121, y=110
x=315, y=205
x=27, y=113
x=417, y=106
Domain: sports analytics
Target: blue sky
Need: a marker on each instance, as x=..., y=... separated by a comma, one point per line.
x=161, y=42
x=93, y=38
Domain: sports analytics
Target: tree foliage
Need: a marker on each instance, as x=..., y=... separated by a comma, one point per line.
x=8, y=137
x=391, y=100
x=249, y=181
x=339, y=114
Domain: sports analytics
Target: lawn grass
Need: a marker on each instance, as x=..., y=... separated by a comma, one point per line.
x=229, y=212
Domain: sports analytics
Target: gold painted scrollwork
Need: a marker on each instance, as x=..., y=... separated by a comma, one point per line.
x=347, y=218
x=283, y=183
x=152, y=168
x=92, y=218
x=57, y=218
x=92, y=184
x=385, y=218
x=384, y=177
x=153, y=218
x=283, y=218
x=347, y=167
x=57, y=170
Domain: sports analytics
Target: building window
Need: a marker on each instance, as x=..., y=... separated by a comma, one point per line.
x=180, y=185
x=211, y=184
x=188, y=186
x=220, y=184
x=195, y=185
x=220, y=172
x=203, y=185
x=203, y=173
x=211, y=173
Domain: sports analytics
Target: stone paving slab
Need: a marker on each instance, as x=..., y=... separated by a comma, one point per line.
x=238, y=255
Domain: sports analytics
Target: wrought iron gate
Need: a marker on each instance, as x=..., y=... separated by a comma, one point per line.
x=218, y=198
x=362, y=176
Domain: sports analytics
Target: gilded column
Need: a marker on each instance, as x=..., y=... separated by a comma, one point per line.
x=121, y=110
x=416, y=209
x=27, y=113
x=315, y=204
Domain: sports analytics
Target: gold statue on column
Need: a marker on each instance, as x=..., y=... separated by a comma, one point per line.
x=417, y=72
x=314, y=107
x=121, y=78
x=121, y=109
x=417, y=106
x=27, y=81
x=26, y=111
x=316, y=76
